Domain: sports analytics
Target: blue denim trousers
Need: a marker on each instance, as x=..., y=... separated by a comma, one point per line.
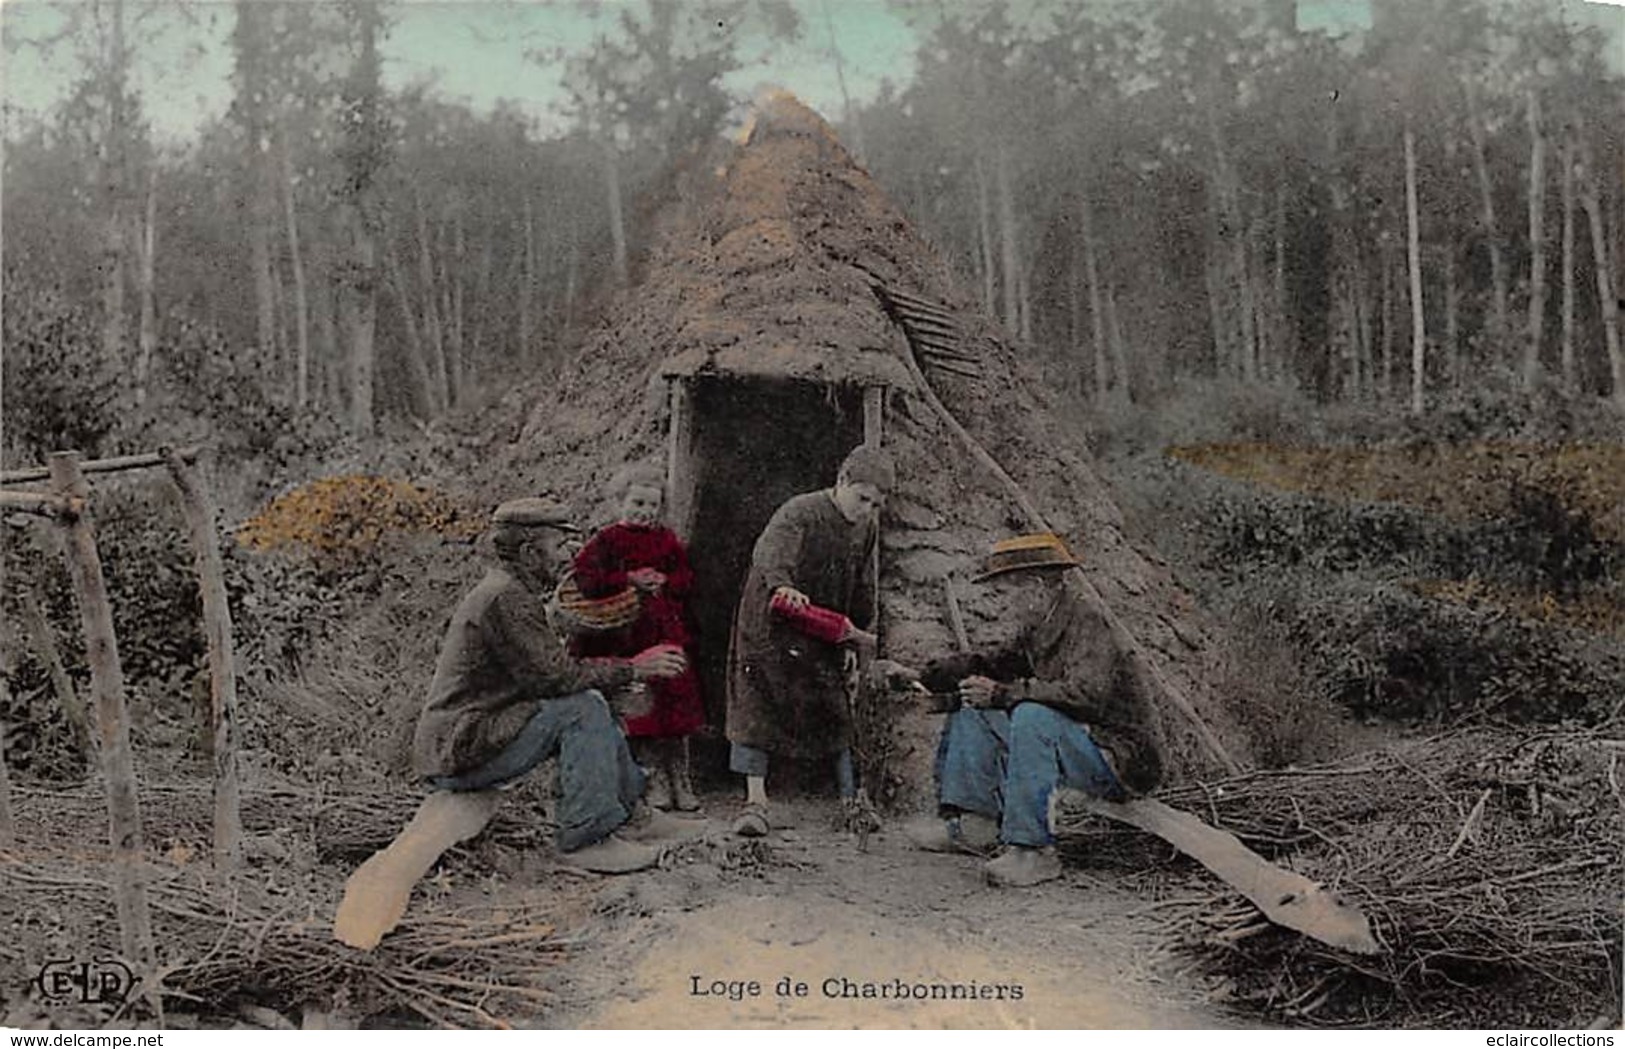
x=598, y=780
x=753, y=761
x=1005, y=766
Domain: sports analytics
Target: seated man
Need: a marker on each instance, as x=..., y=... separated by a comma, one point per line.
x=1028, y=719
x=506, y=697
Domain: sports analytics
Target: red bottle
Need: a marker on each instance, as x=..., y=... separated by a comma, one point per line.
x=822, y=624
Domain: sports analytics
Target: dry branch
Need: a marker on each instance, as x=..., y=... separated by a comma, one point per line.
x=99, y=466
x=1510, y=917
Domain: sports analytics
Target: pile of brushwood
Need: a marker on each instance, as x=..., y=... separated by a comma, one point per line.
x=259, y=949
x=1487, y=859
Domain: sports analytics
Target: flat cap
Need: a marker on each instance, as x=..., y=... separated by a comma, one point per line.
x=534, y=512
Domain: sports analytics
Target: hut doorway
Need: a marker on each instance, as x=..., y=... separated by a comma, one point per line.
x=740, y=448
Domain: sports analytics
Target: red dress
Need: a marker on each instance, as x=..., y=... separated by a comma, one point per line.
x=601, y=568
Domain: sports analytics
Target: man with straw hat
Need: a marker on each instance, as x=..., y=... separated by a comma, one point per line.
x=1029, y=716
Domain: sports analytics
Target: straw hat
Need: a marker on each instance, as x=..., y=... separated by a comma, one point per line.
x=1039, y=550
x=595, y=614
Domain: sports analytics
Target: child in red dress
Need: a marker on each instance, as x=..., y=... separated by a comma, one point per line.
x=639, y=551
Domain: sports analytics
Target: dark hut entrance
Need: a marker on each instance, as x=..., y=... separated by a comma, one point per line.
x=739, y=448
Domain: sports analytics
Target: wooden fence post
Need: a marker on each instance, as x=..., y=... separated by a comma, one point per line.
x=681, y=497
x=195, y=503
x=8, y=826
x=112, y=719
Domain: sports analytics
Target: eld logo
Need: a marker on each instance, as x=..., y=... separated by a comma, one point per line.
x=103, y=981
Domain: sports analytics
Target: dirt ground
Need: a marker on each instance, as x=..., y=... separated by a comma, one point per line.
x=814, y=910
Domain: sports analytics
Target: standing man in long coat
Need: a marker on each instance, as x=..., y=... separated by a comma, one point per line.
x=808, y=599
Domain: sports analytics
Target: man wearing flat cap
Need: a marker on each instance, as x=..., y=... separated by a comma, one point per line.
x=507, y=696
x=1030, y=715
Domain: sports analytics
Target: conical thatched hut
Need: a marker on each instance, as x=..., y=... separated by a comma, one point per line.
x=788, y=311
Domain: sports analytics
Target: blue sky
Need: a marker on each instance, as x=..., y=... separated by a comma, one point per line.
x=473, y=50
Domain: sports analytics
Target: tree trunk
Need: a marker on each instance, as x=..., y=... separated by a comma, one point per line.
x=1097, y=310
x=527, y=282
x=1365, y=345
x=475, y=367
x=1413, y=240
x=148, y=338
x=1249, y=301
x=301, y=299
x=333, y=387
x=617, y=221
x=1492, y=235
x=1074, y=310
x=433, y=339
x=1452, y=317
x=1607, y=297
x=1212, y=272
x=421, y=378
x=1284, y=339
x=1386, y=389
x=1008, y=254
x=361, y=310
x=849, y=115
x=457, y=281
x=1121, y=390
x=984, y=231
x=1537, y=243
x=114, y=160
x=1567, y=162
x=363, y=93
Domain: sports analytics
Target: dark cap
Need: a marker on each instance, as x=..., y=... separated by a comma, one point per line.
x=533, y=512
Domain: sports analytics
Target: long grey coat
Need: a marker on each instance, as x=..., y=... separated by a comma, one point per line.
x=786, y=691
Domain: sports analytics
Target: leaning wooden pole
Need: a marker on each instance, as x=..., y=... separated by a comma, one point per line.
x=199, y=511
x=112, y=719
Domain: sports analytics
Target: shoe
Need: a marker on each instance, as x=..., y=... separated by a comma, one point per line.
x=658, y=791
x=653, y=827
x=682, y=788
x=1021, y=866
x=613, y=855
x=967, y=832
x=859, y=815
x=752, y=823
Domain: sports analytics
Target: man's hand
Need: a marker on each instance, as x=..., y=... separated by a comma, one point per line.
x=862, y=640
x=633, y=701
x=793, y=597
x=887, y=673
x=978, y=691
x=647, y=580
x=658, y=661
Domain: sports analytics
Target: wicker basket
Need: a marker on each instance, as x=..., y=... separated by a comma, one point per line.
x=596, y=614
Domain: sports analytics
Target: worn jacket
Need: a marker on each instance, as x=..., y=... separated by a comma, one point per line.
x=500, y=660
x=786, y=690
x=1068, y=659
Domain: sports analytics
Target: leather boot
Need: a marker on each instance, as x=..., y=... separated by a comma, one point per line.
x=682, y=788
